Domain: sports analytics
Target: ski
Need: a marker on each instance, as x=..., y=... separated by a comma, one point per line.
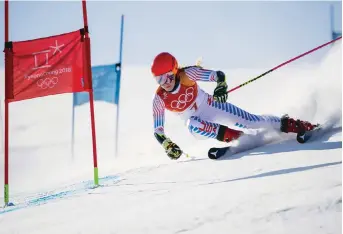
x=217, y=152
x=320, y=130
x=305, y=136
x=313, y=134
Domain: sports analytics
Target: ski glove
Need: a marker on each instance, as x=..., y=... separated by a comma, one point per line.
x=173, y=151
x=220, y=92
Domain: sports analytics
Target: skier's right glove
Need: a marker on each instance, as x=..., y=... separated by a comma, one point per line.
x=173, y=150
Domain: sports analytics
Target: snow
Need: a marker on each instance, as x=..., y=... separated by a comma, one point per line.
x=284, y=187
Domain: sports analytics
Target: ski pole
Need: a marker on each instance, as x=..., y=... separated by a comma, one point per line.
x=282, y=64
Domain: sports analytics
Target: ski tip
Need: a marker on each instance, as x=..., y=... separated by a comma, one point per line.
x=216, y=153
x=212, y=155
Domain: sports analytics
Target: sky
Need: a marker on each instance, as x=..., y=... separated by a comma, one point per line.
x=226, y=34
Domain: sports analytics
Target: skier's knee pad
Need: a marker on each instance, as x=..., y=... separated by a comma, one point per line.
x=202, y=129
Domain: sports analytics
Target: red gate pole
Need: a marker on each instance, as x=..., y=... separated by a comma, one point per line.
x=7, y=78
x=91, y=103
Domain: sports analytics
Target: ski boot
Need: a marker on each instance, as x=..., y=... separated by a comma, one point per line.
x=296, y=126
x=226, y=134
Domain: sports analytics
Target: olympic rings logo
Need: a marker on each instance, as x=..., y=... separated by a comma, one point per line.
x=45, y=83
x=183, y=99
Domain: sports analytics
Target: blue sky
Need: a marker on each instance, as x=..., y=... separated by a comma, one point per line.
x=226, y=34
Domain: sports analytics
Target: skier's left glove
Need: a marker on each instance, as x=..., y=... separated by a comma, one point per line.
x=220, y=92
x=173, y=150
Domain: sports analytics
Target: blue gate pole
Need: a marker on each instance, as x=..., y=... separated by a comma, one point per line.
x=117, y=94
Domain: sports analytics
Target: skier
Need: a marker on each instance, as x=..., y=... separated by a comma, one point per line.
x=207, y=115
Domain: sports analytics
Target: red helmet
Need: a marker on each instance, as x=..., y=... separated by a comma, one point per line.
x=163, y=63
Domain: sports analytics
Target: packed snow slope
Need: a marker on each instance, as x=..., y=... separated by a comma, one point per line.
x=283, y=187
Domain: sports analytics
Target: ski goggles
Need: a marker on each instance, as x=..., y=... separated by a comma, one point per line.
x=165, y=78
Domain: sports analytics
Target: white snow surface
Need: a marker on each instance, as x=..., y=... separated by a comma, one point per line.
x=282, y=187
